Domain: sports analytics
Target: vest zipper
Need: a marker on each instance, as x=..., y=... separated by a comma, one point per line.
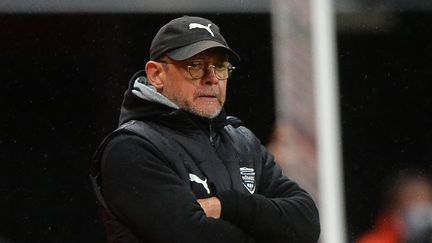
x=210, y=132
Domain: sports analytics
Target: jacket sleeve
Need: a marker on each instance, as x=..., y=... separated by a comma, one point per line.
x=148, y=197
x=279, y=212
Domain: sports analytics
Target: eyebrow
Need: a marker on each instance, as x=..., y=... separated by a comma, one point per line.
x=196, y=59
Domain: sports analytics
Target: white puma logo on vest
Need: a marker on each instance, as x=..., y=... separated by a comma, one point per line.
x=200, y=26
x=196, y=179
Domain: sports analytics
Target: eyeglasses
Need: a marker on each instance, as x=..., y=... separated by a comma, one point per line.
x=198, y=70
x=221, y=71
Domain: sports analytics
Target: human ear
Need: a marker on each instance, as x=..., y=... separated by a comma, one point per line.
x=155, y=74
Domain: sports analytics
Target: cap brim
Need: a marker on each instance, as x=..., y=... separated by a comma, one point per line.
x=191, y=50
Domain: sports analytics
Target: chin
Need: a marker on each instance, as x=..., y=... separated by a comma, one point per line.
x=205, y=113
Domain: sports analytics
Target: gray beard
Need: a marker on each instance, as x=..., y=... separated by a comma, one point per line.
x=201, y=113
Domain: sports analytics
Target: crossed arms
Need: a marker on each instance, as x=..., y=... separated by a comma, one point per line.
x=147, y=196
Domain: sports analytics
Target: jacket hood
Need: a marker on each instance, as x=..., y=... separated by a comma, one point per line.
x=141, y=101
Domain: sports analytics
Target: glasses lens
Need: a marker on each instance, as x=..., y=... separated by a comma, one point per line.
x=196, y=70
x=221, y=72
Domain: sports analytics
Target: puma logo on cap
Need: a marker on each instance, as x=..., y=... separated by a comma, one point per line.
x=200, y=26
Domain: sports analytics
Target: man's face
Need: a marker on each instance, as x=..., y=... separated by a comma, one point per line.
x=203, y=96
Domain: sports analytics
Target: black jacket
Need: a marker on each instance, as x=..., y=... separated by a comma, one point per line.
x=155, y=166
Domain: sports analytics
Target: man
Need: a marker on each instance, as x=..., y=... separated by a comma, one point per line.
x=178, y=169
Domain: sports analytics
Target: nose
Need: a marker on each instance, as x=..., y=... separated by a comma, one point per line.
x=210, y=76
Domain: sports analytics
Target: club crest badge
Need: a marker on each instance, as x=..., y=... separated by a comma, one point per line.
x=248, y=178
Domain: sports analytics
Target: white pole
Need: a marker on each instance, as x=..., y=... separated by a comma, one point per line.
x=327, y=123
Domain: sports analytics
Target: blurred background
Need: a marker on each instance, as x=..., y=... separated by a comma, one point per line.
x=65, y=65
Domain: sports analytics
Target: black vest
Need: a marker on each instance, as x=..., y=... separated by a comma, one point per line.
x=241, y=152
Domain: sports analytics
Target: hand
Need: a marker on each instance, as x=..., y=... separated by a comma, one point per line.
x=211, y=206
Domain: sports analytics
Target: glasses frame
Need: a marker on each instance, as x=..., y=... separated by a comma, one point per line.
x=230, y=68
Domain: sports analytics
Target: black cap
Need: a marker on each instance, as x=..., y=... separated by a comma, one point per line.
x=187, y=36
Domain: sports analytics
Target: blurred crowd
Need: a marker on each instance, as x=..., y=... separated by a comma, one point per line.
x=406, y=211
